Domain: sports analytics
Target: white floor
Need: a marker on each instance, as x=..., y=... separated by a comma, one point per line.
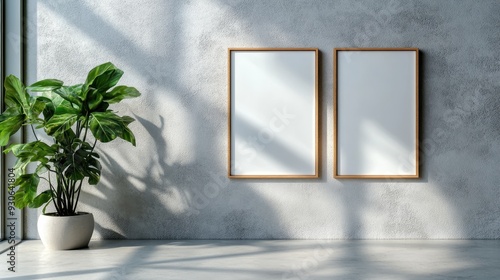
x=276, y=259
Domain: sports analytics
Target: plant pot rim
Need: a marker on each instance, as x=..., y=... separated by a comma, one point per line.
x=54, y=214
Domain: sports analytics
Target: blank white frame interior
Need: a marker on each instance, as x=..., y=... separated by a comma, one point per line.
x=376, y=113
x=273, y=113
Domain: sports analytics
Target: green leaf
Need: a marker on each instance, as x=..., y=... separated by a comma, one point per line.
x=42, y=168
x=28, y=183
x=71, y=94
x=119, y=93
x=48, y=108
x=32, y=148
x=106, y=80
x=56, y=99
x=106, y=126
x=15, y=94
x=102, y=107
x=41, y=199
x=94, y=99
x=10, y=125
x=10, y=112
x=47, y=204
x=82, y=163
x=66, y=138
x=17, y=97
x=58, y=124
x=35, y=151
x=101, y=78
x=127, y=120
x=45, y=85
x=127, y=135
x=66, y=109
x=37, y=106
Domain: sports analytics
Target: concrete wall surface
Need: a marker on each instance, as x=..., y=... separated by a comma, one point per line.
x=173, y=185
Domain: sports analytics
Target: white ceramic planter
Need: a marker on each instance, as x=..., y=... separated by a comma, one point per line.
x=67, y=232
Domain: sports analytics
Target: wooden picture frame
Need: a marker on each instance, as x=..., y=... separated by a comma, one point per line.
x=376, y=128
x=273, y=113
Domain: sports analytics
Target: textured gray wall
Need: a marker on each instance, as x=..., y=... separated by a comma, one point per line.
x=173, y=184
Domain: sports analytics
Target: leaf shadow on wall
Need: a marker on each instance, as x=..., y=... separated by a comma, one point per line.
x=180, y=177
x=158, y=198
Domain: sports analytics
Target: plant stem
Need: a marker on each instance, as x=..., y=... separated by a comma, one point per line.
x=85, y=135
x=62, y=195
x=67, y=194
x=71, y=195
x=53, y=194
x=93, y=146
x=78, y=128
x=34, y=133
x=58, y=200
x=85, y=125
x=78, y=195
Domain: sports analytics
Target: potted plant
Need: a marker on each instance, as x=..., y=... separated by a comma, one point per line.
x=74, y=118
